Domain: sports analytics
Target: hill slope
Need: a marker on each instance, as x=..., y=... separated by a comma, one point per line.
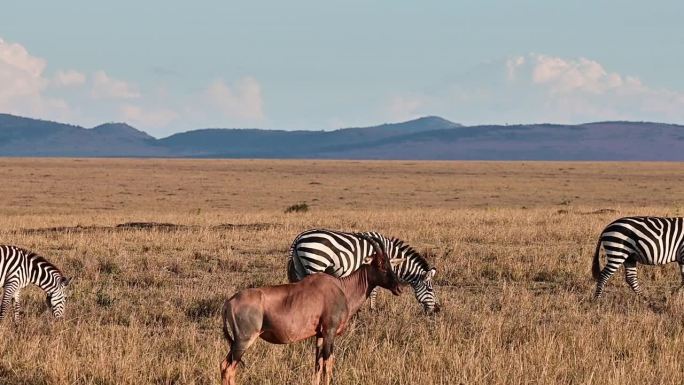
x=31, y=137
x=424, y=138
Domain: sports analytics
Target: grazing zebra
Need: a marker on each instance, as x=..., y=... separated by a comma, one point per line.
x=647, y=240
x=340, y=253
x=18, y=269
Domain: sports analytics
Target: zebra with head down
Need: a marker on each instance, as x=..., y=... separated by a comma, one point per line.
x=341, y=253
x=18, y=269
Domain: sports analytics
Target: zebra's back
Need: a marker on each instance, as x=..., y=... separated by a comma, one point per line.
x=334, y=252
x=13, y=261
x=652, y=240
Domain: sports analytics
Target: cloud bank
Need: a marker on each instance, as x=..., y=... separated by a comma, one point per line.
x=544, y=88
x=23, y=84
x=76, y=97
x=526, y=88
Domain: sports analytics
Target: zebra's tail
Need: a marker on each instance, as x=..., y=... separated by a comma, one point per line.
x=596, y=265
x=291, y=272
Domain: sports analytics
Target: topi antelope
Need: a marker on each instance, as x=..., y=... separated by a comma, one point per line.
x=319, y=305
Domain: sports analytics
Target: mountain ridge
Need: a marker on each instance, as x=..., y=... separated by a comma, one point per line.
x=425, y=138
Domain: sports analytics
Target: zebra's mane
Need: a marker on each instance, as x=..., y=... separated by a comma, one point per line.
x=410, y=253
x=39, y=260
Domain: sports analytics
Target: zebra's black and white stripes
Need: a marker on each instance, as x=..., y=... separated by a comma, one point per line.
x=340, y=253
x=18, y=269
x=632, y=240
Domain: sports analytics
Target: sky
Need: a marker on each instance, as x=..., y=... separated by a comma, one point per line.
x=172, y=66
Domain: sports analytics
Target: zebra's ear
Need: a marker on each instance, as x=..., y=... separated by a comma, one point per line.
x=66, y=281
x=430, y=274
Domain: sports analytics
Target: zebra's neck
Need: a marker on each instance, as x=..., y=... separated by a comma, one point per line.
x=413, y=268
x=43, y=274
x=356, y=288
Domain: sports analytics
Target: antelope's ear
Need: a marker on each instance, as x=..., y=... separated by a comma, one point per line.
x=367, y=260
x=397, y=261
x=66, y=281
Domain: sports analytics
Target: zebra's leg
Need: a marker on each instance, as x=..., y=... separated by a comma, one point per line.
x=631, y=274
x=681, y=271
x=615, y=259
x=373, y=296
x=17, y=306
x=8, y=293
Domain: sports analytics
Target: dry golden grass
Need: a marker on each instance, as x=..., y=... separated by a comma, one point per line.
x=512, y=243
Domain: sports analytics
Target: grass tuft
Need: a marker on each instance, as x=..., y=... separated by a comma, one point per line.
x=297, y=208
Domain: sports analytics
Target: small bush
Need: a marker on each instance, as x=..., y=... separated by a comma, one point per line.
x=544, y=276
x=109, y=267
x=298, y=208
x=103, y=299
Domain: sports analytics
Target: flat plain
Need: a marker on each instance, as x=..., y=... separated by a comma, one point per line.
x=512, y=243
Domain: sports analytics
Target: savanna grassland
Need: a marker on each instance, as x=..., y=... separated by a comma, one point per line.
x=512, y=242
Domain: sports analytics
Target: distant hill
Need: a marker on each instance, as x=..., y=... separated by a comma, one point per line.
x=424, y=138
x=291, y=144
x=31, y=137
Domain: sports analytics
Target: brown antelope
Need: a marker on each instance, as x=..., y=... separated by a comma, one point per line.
x=319, y=305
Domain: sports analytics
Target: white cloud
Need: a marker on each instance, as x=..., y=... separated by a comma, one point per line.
x=14, y=55
x=585, y=88
x=512, y=64
x=74, y=97
x=22, y=84
x=545, y=88
x=241, y=101
x=106, y=87
x=562, y=75
x=147, y=118
x=68, y=78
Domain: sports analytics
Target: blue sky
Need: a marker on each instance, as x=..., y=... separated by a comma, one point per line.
x=173, y=66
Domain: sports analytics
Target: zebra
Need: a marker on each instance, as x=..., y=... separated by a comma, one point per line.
x=341, y=253
x=18, y=269
x=647, y=240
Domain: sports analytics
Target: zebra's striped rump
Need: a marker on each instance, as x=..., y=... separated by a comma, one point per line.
x=631, y=240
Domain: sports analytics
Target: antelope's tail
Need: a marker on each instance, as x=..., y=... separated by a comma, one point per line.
x=226, y=331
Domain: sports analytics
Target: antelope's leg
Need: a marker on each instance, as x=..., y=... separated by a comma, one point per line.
x=318, y=365
x=233, y=358
x=228, y=370
x=329, y=363
x=328, y=356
